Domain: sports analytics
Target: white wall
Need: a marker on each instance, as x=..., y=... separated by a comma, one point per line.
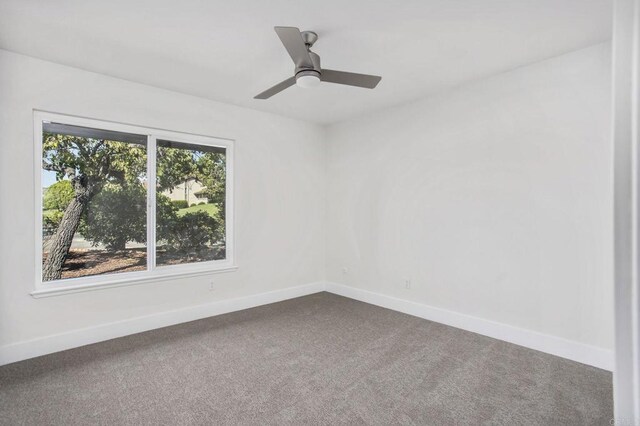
x=279, y=178
x=494, y=199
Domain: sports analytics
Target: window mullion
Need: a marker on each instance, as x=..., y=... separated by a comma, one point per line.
x=151, y=203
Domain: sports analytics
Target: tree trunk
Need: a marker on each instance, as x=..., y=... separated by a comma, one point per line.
x=61, y=242
x=118, y=245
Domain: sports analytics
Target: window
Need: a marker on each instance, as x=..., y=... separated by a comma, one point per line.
x=122, y=203
x=192, y=176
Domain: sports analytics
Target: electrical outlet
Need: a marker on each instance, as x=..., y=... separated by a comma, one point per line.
x=407, y=283
x=345, y=270
x=212, y=286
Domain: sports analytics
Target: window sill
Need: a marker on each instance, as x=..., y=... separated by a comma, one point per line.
x=63, y=288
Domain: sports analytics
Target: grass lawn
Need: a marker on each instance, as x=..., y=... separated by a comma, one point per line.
x=210, y=209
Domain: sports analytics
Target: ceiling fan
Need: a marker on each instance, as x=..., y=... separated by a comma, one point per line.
x=307, y=72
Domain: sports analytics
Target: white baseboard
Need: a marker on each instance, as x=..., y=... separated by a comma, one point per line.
x=85, y=336
x=575, y=351
x=558, y=346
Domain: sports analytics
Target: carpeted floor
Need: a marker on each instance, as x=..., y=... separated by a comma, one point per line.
x=319, y=359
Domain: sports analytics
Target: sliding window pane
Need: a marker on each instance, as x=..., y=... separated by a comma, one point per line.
x=190, y=203
x=94, y=191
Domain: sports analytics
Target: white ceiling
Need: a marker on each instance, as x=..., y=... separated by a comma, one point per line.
x=226, y=50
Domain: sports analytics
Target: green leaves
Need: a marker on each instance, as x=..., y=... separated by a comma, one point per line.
x=111, y=176
x=174, y=166
x=58, y=196
x=100, y=161
x=115, y=216
x=192, y=234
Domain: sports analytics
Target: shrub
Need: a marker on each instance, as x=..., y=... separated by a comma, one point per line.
x=192, y=233
x=192, y=205
x=51, y=221
x=180, y=204
x=166, y=214
x=201, y=203
x=53, y=215
x=116, y=215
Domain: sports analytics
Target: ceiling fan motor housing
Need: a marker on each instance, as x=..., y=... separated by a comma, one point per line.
x=305, y=73
x=315, y=59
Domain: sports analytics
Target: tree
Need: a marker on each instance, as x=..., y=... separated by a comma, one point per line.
x=175, y=165
x=106, y=201
x=88, y=164
x=55, y=200
x=58, y=196
x=212, y=173
x=116, y=215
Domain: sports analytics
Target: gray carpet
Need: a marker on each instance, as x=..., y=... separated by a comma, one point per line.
x=319, y=359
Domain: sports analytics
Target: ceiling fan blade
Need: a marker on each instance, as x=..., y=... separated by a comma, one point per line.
x=293, y=42
x=276, y=89
x=350, y=78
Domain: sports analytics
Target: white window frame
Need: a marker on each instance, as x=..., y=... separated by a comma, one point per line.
x=152, y=273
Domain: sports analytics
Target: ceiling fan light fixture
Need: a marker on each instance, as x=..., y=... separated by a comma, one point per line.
x=307, y=79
